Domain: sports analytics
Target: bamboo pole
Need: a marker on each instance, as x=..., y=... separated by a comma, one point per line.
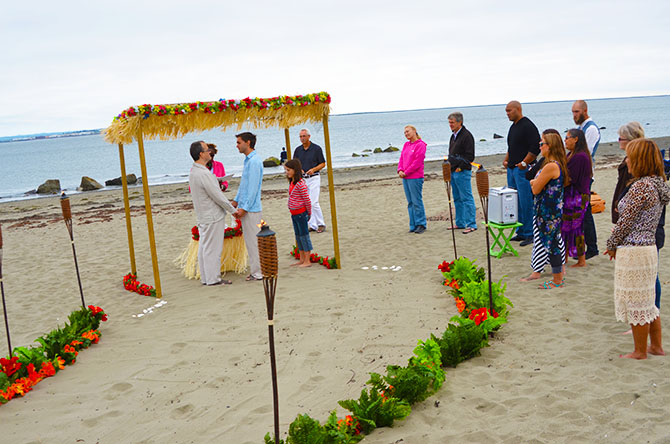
x=126, y=204
x=4, y=306
x=150, y=221
x=288, y=144
x=331, y=191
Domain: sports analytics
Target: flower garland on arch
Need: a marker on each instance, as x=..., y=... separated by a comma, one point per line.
x=227, y=233
x=131, y=283
x=273, y=103
x=314, y=258
x=26, y=367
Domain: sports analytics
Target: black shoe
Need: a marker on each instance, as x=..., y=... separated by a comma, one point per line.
x=525, y=242
x=411, y=231
x=420, y=229
x=518, y=238
x=590, y=254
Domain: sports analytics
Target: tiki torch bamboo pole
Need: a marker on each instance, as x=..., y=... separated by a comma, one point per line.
x=126, y=204
x=67, y=217
x=288, y=144
x=446, y=175
x=150, y=220
x=482, y=179
x=331, y=190
x=4, y=306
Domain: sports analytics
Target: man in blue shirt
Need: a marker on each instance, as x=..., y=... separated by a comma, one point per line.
x=248, y=201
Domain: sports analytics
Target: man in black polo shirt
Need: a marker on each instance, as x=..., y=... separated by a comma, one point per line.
x=523, y=146
x=311, y=158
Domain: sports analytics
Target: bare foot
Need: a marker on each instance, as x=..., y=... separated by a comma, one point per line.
x=533, y=276
x=578, y=264
x=295, y=264
x=655, y=351
x=634, y=355
x=301, y=265
x=629, y=332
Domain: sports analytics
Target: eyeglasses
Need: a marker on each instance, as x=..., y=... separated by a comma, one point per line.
x=621, y=139
x=569, y=137
x=543, y=143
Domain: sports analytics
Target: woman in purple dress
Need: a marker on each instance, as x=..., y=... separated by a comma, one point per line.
x=577, y=195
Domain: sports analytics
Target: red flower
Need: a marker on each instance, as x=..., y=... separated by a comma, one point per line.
x=445, y=266
x=9, y=366
x=478, y=315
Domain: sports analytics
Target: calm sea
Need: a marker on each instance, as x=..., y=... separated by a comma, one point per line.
x=25, y=165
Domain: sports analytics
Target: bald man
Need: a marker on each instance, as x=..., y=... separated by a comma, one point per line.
x=523, y=146
x=580, y=114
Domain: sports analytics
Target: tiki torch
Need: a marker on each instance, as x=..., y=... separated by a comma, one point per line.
x=4, y=307
x=446, y=174
x=67, y=217
x=483, y=189
x=267, y=251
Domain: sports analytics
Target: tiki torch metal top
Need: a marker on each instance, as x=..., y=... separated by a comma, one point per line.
x=267, y=250
x=65, y=206
x=482, y=181
x=446, y=170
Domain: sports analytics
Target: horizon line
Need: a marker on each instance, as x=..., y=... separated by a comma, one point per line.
x=377, y=112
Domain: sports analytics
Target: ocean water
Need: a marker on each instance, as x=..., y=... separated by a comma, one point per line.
x=25, y=165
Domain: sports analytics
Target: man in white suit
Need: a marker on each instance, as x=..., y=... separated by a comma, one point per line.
x=210, y=207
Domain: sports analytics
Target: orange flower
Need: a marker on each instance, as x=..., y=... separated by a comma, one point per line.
x=61, y=362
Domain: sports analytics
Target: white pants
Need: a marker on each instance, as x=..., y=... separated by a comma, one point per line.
x=314, y=188
x=250, y=229
x=210, y=248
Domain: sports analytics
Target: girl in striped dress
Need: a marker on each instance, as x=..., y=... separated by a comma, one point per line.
x=301, y=209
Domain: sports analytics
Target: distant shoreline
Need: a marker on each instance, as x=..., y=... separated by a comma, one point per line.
x=77, y=133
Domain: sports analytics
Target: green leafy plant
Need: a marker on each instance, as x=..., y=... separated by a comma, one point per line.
x=460, y=342
x=476, y=295
x=372, y=410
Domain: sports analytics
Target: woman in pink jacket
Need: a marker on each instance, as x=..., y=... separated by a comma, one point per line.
x=410, y=169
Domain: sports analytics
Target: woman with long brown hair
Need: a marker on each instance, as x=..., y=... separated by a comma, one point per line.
x=577, y=195
x=633, y=245
x=547, y=188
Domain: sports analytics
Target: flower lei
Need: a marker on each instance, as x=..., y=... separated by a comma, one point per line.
x=220, y=105
x=329, y=263
x=227, y=233
x=131, y=283
x=18, y=375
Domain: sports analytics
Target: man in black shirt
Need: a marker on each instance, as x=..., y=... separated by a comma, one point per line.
x=523, y=146
x=461, y=154
x=312, y=160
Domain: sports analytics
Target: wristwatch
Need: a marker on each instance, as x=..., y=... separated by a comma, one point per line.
x=524, y=164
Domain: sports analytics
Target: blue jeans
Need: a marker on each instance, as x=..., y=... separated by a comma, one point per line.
x=413, y=193
x=516, y=179
x=463, y=200
x=302, y=240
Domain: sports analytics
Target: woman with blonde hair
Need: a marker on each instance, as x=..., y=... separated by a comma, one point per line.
x=410, y=169
x=633, y=245
x=547, y=188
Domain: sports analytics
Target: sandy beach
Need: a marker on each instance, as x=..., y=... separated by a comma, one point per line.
x=197, y=369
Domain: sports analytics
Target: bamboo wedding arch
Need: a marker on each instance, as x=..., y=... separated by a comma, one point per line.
x=174, y=121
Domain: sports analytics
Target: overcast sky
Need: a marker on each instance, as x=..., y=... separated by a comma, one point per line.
x=72, y=65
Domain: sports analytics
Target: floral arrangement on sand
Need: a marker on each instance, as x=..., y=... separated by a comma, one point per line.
x=389, y=397
x=131, y=283
x=314, y=258
x=25, y=367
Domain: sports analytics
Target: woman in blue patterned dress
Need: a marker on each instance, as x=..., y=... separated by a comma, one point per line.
x=548, y=203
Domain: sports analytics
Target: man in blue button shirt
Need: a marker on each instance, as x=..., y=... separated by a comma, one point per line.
x=248, y=201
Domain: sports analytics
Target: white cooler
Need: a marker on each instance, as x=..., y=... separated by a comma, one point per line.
x=503, y=205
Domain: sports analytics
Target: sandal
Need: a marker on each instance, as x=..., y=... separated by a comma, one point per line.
x=469, y=230
x=251, y=278
x=548, y=285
